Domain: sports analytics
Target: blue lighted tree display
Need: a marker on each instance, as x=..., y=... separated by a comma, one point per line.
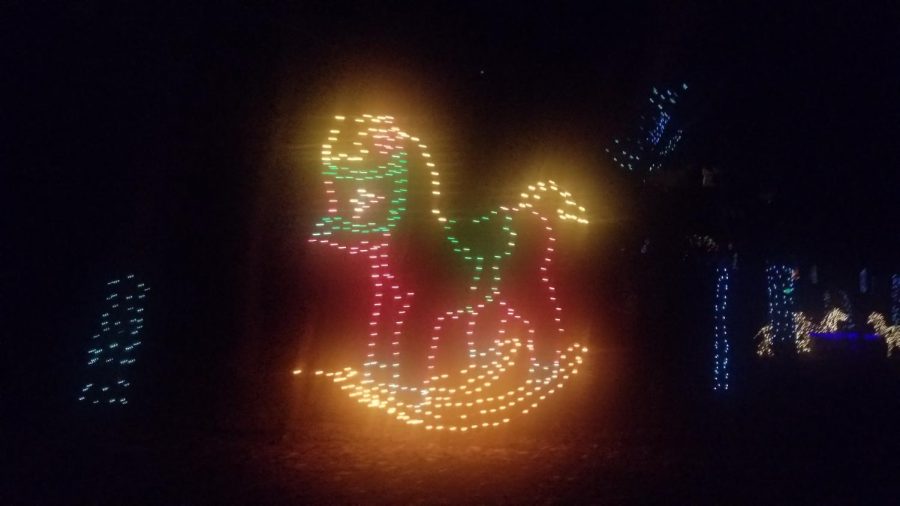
x=658, y=134
x=722, y=348
x=111, y=351
x=781, y=302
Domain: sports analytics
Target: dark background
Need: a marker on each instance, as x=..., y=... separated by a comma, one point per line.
x=170, y=140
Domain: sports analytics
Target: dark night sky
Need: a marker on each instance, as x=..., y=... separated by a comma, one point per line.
x=139, y=137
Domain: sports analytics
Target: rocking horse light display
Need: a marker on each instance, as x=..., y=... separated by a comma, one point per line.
x=366, y=177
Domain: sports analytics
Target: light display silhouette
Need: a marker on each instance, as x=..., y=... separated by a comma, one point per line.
x=366, y=174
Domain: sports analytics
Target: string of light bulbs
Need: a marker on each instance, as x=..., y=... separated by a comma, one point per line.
x=656, y=138
x=781, y=301
x=112, y=348
x=782, y=325
x=895, y=299
x=722, y=347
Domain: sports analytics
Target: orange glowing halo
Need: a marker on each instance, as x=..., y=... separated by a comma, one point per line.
x=477, y=396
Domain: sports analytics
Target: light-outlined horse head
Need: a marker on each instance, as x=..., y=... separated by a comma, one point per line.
x=364, y=174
